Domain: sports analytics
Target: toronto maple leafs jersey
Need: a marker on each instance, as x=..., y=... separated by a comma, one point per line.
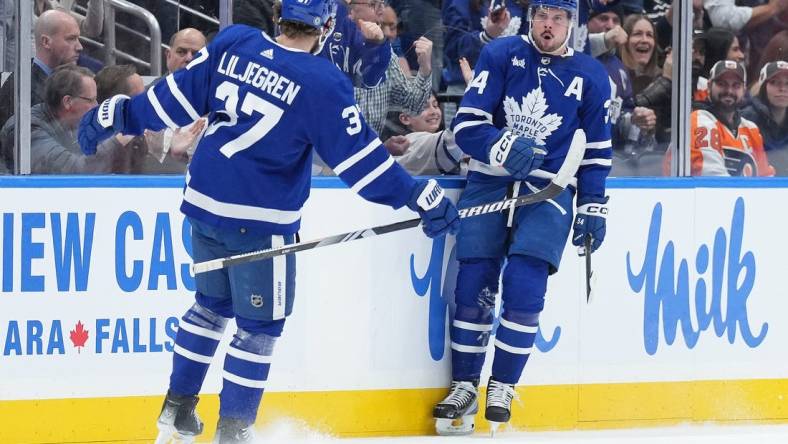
x=267, y=107
x=364, y=62
x=545, y=98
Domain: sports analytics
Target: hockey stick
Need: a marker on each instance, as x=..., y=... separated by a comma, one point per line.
x=589, y=272
x=559, y=183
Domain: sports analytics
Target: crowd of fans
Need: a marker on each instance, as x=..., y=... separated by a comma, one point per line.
x=410, y=61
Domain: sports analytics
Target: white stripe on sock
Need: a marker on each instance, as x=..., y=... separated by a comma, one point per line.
x=468, y=348
x=246, y=382
x=513, y=349
x=191, y=355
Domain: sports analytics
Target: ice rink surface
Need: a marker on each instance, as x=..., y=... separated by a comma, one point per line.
x=683, y=434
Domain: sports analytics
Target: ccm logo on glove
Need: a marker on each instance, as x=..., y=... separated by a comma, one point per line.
x=593, y=209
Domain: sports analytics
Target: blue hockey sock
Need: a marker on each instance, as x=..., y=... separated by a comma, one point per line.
x=199, y=333
x=246, y=368
x=524, y=287
x=470, y=333
x=514, y=340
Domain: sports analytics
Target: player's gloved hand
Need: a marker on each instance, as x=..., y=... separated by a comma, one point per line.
x=438, y=214
x=519, y=155
x=101, y=123
x=590, y=221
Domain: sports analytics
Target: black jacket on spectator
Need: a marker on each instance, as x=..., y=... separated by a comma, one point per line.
x=37, y=79
x=257, y=13
x=775, y=136
x=54, y=149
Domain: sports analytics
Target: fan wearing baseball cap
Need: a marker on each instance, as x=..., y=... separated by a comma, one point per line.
x=768, y=111
x=723, y=142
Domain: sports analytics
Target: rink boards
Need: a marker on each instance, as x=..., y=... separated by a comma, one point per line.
x=689, y=320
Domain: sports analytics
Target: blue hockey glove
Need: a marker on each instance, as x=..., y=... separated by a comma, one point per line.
x=590, y=221
x=438, y=214
x=519, y=155
x=101, y=123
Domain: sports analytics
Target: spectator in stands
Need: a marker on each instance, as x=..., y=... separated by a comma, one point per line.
x=183, y=45
x=358, y=47
x=69, y=93
x=776, y=49
x=389, y=24
x=57, y=43
x=722, y=142
x=430, y=151
x=169, y=151
x=605, y=31
x=257, y=13
x=719, y=44
x=122, y=79
x=726, y=13
x=632, y=126
x=639, y=54
x=661, y=13
x=470, y=26
x=657, y=95
x=396, y=89
x=768, y=111
x=421, y=18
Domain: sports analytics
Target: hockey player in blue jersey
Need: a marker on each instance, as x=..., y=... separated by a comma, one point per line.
x=517, y=120
x=269, y=103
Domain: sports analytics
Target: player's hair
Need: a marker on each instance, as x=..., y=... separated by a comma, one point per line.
x=113, y=80
x=292, y=29
x=65, y=81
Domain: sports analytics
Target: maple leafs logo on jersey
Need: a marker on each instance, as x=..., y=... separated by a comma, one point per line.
x=530, y=120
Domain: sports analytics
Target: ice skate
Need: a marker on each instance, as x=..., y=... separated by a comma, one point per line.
x=499, y=404
x=455, y=414
x=178, y=421
x=233, y=431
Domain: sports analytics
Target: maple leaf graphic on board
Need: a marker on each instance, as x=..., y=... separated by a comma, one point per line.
x=78, y=336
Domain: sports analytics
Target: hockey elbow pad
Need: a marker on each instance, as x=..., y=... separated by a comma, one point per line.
x=519, y=155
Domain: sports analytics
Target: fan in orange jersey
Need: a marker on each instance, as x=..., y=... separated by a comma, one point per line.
x=724, y=143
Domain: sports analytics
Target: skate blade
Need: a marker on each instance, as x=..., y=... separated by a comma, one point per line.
x=168, y=434
x=454, y=427
x=494, y=428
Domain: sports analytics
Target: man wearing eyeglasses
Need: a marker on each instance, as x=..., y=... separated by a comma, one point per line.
x=68, y=94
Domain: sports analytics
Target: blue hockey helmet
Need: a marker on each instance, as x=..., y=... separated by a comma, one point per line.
x=314, y=13
x=569, y=5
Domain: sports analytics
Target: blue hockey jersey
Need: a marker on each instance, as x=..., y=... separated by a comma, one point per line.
x=545, y=98
x=267, y=107
x=364, y=62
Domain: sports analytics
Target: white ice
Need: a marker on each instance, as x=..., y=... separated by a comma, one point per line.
x=291, y=432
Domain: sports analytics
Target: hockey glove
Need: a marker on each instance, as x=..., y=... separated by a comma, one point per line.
x=101, y=123
x=519, y=155
x=590, y=221
x=438, y=214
